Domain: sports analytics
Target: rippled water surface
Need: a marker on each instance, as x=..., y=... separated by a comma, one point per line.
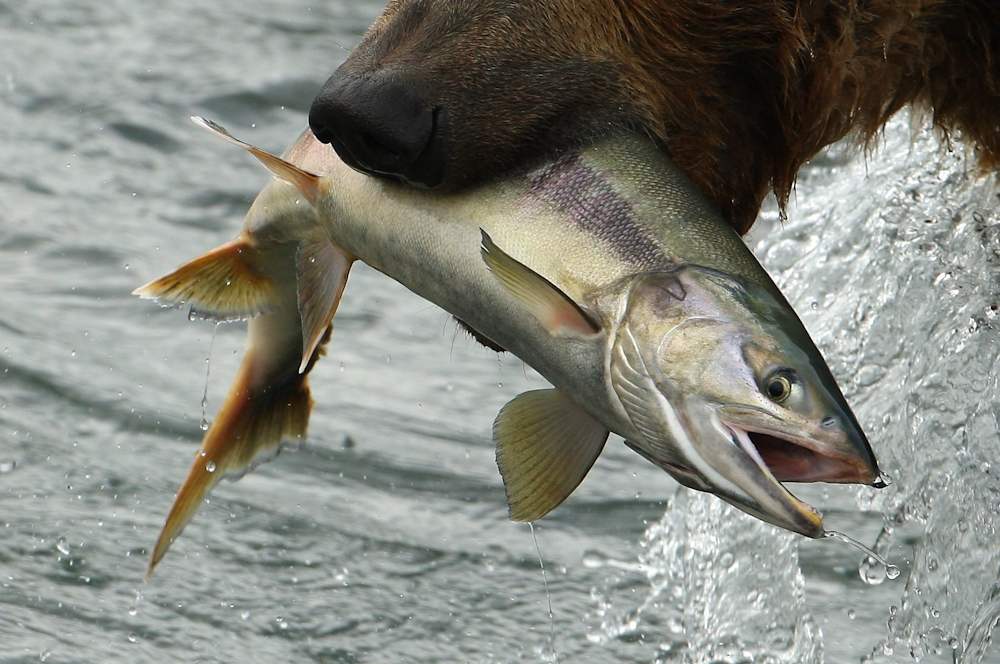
x=385, y=538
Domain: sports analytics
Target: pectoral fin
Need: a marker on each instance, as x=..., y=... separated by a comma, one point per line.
x=224, y=284
x=321, y=270
x=304, y=181
x=546, y=444
x=554, y=309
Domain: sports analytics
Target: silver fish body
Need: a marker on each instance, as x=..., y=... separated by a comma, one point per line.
x=608, y=273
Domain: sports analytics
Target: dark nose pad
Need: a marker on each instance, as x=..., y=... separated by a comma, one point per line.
x=382, y=128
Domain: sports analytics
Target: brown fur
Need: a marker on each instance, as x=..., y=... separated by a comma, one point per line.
x=739, y=93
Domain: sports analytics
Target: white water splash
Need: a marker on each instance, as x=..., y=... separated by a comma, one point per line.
x=705, y=562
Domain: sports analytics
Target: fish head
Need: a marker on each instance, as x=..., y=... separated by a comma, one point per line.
x=728, y=394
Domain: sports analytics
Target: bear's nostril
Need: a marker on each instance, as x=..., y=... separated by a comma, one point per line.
x=322, y=134
x=380, y=127
x=376, y=148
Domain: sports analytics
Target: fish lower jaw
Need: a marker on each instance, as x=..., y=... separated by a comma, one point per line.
x=742, y=438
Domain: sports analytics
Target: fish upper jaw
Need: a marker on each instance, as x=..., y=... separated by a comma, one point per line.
x=837, y=456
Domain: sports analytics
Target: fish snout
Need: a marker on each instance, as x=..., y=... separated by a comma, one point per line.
x=382, y=127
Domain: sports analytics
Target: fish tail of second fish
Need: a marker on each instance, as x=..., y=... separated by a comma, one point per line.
x=251, y=427
x=269, y=402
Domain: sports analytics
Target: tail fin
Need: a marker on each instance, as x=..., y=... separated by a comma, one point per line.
x=225, y=284
x=251, y=428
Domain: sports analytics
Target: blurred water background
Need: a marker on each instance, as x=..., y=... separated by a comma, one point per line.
x=385, y=539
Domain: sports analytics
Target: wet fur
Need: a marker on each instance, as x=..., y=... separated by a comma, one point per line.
x=740, y=94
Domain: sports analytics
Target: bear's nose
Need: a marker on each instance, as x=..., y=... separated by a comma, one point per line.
x=384, y=128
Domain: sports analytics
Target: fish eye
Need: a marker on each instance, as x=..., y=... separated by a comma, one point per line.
x=778, y=386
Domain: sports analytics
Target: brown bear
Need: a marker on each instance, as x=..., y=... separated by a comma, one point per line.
x=448, y=93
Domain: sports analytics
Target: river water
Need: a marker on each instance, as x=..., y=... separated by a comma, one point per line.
x=385, y=538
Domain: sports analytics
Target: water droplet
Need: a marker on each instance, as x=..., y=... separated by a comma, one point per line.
x=852, y=614
x=883, y=480
x=7, y=466
x=133, y=611
x=727, y=560
x=873, y=568
x=953, y=643
x=132, y=638
x=210, y=466
x=871, y=572
x=45, y=655
x=244, y=615
x=63, y=546
x=814, y=305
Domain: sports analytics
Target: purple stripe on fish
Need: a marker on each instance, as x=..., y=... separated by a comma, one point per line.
x=591, y=204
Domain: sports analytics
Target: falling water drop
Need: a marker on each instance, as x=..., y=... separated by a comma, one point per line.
x=63, y=546
x=548, y=596
x=883, y=480
x=873, y=569
x=208, y=369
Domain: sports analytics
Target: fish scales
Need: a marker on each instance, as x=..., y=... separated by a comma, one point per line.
x=590, y=202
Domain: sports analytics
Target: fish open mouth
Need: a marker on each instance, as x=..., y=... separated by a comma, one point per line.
x=793, y=460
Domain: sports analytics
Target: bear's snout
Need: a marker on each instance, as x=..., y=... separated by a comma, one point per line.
x=383, y=128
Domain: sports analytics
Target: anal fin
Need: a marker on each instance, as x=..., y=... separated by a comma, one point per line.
x=224, y=283
x=546, y=445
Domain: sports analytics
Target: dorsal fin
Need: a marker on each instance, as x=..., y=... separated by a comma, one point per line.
x=555, y=310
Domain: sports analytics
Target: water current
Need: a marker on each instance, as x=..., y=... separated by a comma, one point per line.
x=385, y=538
